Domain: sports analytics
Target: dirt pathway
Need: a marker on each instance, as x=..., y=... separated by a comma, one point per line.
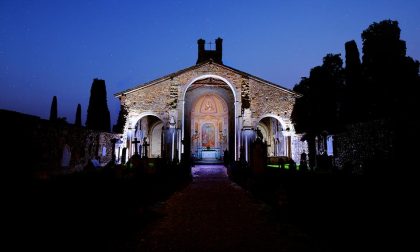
x=214, y=214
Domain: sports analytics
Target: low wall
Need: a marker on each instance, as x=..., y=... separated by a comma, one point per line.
x=363, y=144
x=298, y=147
x=35, y=146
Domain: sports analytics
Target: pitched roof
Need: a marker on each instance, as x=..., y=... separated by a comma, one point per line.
x=172, y=75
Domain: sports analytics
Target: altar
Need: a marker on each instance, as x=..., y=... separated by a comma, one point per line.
x=213, y=153
x=208, y=154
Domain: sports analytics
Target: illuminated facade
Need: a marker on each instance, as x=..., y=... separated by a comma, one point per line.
x=207, y=110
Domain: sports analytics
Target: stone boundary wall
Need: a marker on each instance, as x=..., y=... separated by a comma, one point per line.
x=363, y=143
x=298, y=146
x=34, y=146
x=85, y=144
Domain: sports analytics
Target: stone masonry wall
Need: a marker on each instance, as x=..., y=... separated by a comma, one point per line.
x=84, y=145
x=268, y=99
x=362, y=143
x=234, y=78
x=157, y=97
x=105, y=141
x=298, y=146
x=36, y=145
x=163, y=96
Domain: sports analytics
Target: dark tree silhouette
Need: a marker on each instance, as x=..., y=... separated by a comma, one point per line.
x=53, y=110
x=392, y=79
x=98, y=117
x=389, y=74
x=78, y=120
x=122, y=117
x=317, y=111
x=353, y=64
x=353, y=95
x=382, y=87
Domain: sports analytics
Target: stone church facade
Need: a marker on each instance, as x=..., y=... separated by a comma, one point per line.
x=207, y=111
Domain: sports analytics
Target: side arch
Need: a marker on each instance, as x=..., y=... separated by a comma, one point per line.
x=282, y=122
x=133, y=119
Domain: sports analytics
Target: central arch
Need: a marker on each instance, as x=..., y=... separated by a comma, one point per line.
x=233, y=101
x=235, y=108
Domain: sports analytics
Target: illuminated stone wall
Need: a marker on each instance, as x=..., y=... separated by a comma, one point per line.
x=266, y=99
x=255, y=99
x=163, y=95
x=298, y=147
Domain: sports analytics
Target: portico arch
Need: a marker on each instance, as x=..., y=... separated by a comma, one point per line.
x=143, y=127
x=283, y=124
x=276, y=134
x=134, y=118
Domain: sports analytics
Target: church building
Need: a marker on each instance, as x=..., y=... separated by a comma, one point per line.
x=207, y=111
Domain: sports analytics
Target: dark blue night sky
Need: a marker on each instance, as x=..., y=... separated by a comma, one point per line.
x=58, y=47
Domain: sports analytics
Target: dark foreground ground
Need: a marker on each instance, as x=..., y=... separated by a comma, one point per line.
x=282, y=212
x=95, y=211
x=340, y=212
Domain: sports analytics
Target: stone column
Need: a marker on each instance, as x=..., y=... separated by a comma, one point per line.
x=248, y=136
x=128, y=141
x=113, y=141
x=179, y=142
x=287, y=142
x=238, y=137
x=172, y=137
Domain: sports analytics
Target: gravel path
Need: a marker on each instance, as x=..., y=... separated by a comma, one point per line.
x=214, y=214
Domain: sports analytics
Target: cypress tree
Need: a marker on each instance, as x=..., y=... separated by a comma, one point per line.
x=98, y=117
x=384, y=54
x=353, y=64
x=317, y=111
x=353, y=94
x=392, y=79
x=78, y=120
x=122, y=118
x=53, y=110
